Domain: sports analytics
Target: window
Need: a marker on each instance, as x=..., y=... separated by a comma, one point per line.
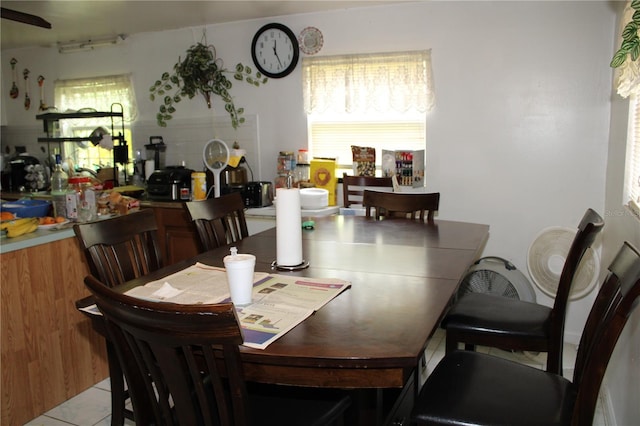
x=632, y=167
x=375, y=100
x=100, y=94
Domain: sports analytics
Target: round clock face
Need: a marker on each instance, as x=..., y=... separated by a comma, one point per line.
x=274, y=50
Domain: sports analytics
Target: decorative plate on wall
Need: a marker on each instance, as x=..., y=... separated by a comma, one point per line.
x=310, y=40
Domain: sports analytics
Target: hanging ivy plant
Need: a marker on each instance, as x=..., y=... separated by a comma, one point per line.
x=630, y=40
x=201, y=72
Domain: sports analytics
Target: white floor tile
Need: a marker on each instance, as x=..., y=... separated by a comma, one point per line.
x=105, y=384
x=46, y=421
x=87, y=408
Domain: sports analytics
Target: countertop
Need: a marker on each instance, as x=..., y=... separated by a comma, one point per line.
x=40, y=236
x=44, y=236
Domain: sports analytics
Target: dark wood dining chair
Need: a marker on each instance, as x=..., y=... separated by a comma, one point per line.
x=353, y=187
x=118, y=250
x=219, y=221
x=474, y=388
x=188, y=358
x=512, y=324
x=401, y=204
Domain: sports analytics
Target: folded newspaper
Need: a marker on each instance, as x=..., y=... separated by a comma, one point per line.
x=279, y=302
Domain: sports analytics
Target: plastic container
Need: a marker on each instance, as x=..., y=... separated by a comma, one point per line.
x=286, y=162
x=27, y=208
x=82, y=205
x=198, y=186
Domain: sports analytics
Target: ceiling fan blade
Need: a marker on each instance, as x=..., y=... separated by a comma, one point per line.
x=25, y=18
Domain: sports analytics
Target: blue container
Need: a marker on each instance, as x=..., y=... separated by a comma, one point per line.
x=27, y=208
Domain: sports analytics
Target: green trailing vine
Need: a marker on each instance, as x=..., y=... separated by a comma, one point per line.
x=630, y=45
x=201, y=72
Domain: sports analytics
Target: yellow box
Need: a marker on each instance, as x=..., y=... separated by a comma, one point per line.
x=323, y=175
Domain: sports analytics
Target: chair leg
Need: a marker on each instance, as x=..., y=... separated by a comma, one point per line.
x=118, y=393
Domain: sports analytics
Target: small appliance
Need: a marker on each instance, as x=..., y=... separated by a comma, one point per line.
x=172, y=183
x=258, y=194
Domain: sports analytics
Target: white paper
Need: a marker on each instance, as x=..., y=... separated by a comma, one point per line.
x=197, y=284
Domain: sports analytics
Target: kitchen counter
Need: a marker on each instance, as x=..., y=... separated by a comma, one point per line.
x=40, y=236
x=270, y=211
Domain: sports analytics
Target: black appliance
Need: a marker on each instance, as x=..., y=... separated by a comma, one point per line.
x=172, y=183
x=258, y=194
x=27, y=174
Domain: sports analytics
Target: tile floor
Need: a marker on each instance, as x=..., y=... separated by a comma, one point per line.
x=93, y=406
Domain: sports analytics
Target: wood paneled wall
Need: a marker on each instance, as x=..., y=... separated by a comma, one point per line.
x=50, y=353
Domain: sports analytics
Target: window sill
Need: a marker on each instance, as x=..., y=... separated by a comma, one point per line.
x=634, y=209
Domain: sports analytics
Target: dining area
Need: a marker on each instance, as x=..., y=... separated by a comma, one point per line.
x=369, y=340
x=390, y=284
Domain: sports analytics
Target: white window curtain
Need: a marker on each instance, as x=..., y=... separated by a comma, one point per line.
x=381, y=82
x=628, y=74
x=99, y=93
x=632, y=167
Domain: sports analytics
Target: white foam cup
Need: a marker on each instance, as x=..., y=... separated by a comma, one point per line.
x=240, y=269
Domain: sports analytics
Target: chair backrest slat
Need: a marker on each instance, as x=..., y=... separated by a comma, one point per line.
x=219, y=221
x=187, y=356
x=122, y=248
x=399, y=204
x=616, y=300
x=590, y=226
x=353, y=187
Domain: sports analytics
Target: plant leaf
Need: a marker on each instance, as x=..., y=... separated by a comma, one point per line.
x=618, y=59
x=635, y=51
x=630, y=31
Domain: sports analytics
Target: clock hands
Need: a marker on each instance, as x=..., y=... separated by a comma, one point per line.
x=276, y=52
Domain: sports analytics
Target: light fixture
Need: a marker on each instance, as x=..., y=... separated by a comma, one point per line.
x=86, y=45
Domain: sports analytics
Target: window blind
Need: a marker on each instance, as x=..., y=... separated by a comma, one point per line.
x=334, y=138
x=632, y=167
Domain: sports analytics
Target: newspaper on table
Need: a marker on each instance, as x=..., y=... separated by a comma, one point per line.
x=279, y=302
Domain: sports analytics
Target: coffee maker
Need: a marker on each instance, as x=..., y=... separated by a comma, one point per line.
x=234, y=176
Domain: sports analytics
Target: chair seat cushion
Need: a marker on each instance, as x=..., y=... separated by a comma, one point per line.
x=490, y=314
x=474, y=388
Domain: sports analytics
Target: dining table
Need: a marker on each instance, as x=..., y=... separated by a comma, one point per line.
x=371, y=338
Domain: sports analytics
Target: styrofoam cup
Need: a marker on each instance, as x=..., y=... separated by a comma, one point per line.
x=240, y=269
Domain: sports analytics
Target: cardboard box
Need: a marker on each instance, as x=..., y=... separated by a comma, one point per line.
x=323, y=175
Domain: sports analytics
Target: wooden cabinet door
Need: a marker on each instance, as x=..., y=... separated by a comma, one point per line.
x=177, y=235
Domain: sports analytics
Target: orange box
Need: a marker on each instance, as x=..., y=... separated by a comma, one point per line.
x=323, y=175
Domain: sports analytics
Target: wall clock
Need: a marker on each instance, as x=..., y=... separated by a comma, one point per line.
x=275, y=50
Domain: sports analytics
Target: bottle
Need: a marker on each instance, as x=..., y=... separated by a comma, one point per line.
x=59, y=181
x=81, y=200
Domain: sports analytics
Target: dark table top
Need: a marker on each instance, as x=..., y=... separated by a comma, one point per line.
x=403, y=275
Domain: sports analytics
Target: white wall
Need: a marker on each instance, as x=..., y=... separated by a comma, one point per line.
x=518, y=137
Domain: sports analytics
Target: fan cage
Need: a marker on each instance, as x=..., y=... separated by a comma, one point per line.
x=546, y=258
x=497, y=276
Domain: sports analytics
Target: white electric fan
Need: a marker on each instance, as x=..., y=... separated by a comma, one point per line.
x=216, y=157
x=546, y=258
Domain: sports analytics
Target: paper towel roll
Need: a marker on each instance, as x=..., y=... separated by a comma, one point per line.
x=288, y=227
